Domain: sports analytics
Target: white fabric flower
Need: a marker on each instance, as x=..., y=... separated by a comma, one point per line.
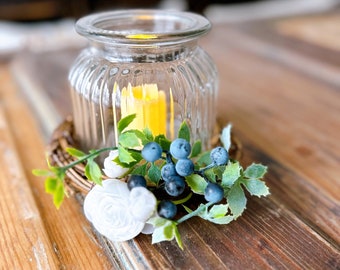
x=116, y=212
x=111, y=168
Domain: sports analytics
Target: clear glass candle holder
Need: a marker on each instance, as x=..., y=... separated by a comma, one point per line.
x=146, y=62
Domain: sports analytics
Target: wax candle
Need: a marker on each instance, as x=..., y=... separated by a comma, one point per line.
x=149, y=105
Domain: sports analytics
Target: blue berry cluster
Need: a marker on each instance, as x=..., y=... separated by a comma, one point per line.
x=178, y=165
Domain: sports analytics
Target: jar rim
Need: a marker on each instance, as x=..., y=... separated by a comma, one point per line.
x=143, y=26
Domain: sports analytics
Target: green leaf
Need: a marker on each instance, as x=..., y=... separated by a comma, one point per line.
x=211, y=175
x=168, y=232
x=178, y=237
x=256, y=187
x=196, y=183
x=154, y=173
x=217, y=214
x=187, y=208
x=135, y=155
x=218, y=171
x=222, y=220
x=218, y=210
x=140, y=170
x=140, y=134
x=231, y=174
x=158, y=235
x=128, y=140
x=124, y=155
x=75, y=152
x=163, y=142
x=38, y=172
x=204, y=159
x=51, y=184
x=125, y=122
x=157, y=221
x=164, y=232
x=93, y=172
x=58, y=195
x=148, y=134
x=196, y=149
x=237, y=200
x=184, y=131
x=255, y=171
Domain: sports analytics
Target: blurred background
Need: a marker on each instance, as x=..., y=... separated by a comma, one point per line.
x=47, y=24
x=37, y=10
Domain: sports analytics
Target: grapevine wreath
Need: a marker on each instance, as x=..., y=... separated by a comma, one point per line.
x=149, y=184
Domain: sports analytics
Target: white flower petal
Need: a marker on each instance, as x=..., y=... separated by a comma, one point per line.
x=107, y=207
x=111, y=168
x=148, y=229
x=142, y=203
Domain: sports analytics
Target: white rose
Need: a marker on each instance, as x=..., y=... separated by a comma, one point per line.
x=111, y=168
x=111, y=209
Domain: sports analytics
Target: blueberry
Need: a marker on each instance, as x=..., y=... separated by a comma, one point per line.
x=180, y=148
x=167, y=171
x=184, y=167
x=219, y=156
x=152, y=151
x=167, y=209
x=213, y=193
x=175, y=186
x=136, y=181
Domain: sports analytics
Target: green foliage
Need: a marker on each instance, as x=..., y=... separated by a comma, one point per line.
x=184, y=131
x=163, y=142
x=237, y=200
x=125, y=122
x=125, y=155
x=197, y=183
x=75, y=152
x=196, y=149
x=217, y=214
x=203, y=159
x=165, y=230
x=256, y=187
x=255, y=171
x=154, y=173
x=93, y=172
x=231, y=173
x=129, y=139
x=53, y=183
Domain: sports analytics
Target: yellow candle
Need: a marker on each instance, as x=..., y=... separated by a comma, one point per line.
x=149, y=105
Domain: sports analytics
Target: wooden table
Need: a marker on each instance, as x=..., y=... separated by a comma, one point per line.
x=280, y=87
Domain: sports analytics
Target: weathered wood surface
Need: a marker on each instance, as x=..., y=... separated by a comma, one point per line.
x=282, y=94
x=34, y=235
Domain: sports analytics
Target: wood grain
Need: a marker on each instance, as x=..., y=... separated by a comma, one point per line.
x=36, y=233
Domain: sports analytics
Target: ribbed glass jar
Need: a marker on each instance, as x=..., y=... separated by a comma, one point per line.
x=146, y=62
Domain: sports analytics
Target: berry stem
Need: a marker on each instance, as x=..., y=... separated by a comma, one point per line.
x=168, y=158
x=201, y=173
x=211, y=165
x=93, y=154
x=194, y=213
x=181, y=201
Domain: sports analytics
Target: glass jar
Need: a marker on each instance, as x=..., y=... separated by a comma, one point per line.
x=146, y=62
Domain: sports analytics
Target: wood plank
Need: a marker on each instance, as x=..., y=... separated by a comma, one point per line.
x=300, y=131
x=24, y=240
x=70, y=236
